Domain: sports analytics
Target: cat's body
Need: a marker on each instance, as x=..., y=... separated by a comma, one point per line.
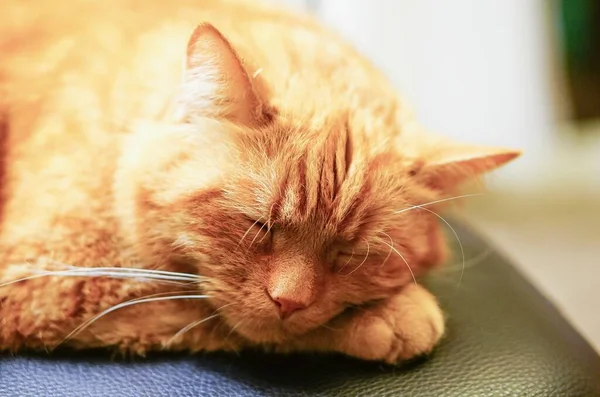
x=111, y=159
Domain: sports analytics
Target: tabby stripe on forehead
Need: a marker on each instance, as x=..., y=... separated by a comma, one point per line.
x=322, y=187
x=328, y=171
x=301, y=187
x=313, y=166
x=343, y=154
x=316, y=179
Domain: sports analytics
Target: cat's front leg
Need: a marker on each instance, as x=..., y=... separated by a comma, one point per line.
x=405, y=326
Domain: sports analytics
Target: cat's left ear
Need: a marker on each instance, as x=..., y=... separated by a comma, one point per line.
x=447, y=166
x=216, y=84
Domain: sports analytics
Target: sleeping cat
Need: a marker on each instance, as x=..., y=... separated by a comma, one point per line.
x=191, y=175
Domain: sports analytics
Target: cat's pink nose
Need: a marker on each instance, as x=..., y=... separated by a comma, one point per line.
x=287, y=306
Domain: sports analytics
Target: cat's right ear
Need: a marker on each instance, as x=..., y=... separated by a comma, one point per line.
x=448, y=165
x=216, y=83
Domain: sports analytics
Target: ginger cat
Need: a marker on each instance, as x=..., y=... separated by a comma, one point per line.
x=198, y=175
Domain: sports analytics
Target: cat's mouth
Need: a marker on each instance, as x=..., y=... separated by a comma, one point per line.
x=275, y=330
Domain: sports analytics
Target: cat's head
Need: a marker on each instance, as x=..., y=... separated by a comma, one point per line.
x=291, y=220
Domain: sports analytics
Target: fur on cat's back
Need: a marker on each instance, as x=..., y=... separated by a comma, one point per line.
x=262, y=174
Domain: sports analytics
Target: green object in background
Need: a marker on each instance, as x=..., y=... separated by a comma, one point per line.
x=577, y=27
x=578, y=22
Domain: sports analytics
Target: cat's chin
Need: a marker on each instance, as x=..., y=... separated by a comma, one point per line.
x=274, y=330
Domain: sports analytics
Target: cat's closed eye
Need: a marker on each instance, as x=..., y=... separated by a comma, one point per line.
x=343, y=258
x=258, y=234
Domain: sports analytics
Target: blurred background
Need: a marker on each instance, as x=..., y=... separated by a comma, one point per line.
x=516, y=73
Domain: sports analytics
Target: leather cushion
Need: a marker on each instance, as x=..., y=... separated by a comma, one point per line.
x=503, y=339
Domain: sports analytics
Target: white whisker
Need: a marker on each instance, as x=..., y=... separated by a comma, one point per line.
x=138, y=270
x=93, y=272
x=472, y=262
x=404, y=259
x=412, y=207
x=232, y=345
x=196, y=323
x=132, y=302
x=389, y=253
x=462, y=251
x=189, y=327
x=327, y=327
x=234, y=328
x=6, y=284
x=348, y=261
x=114, y=272
x=256, y=236
x=268, y=223
x=364, y=260
x=248, y=231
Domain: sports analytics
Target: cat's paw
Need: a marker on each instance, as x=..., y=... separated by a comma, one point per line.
x=405, y=326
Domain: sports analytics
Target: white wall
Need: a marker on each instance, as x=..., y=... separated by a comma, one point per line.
x=474, y=70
